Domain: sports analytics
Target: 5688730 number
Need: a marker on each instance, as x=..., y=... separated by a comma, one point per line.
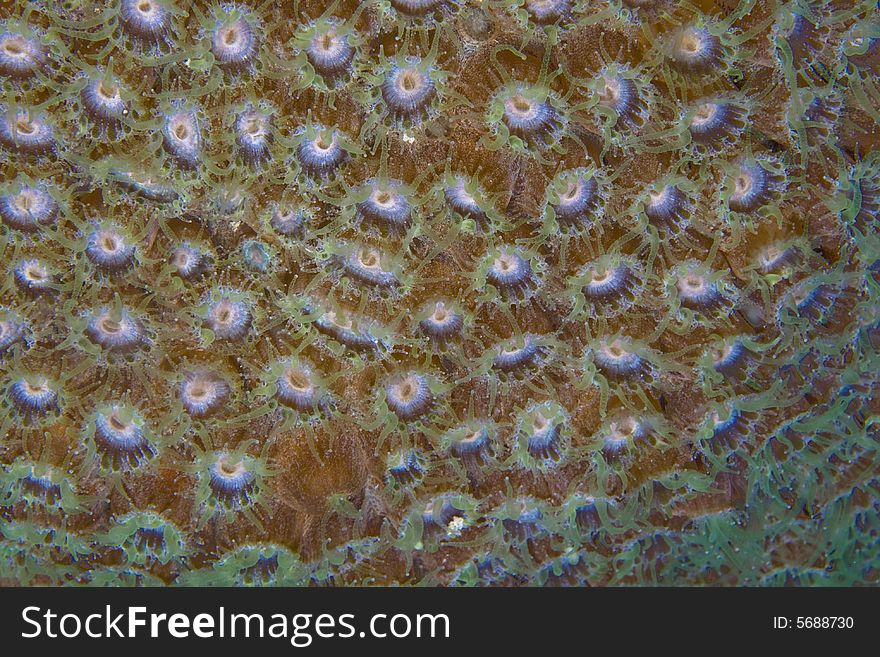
x=824, y=622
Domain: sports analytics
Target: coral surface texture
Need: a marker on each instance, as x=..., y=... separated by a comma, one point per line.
x=439, y=292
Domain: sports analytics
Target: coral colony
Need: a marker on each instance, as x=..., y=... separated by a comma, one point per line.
x=446, y=292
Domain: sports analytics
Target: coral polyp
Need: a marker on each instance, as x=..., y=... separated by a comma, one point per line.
x=147, y=21
x=114, y=330
x=730, y=358
x=386, y=205
x=228, y=315
x=715, y=122
x=28, y=208
x=466, y=198
x=516, y=354
x=103, y=102
x=12, y=330
x=622, y=99
x=407, y=90
x=608, y=284
x=668, y=207
x=21, y=55
x=575, y=198
x=439, y=292
x=409, y=396
x=109, y=249
x=405, y=467
x=513, y=274
x=298, y=386
x=120, y=438
x=288, y=220
x=368, y=265
x=619, y=359
x=542, y=434
x=530, y=115
x=33, y=276
x=418, y=8
x=547, y=12
x=441, y=322
x=320, y=150
x=202, y=393
x=189, y=261
x=471, y=443
x=329, y=49
x=26, y=132
x=253, y=134
x=695, y=49
x=182, y=136
x=696, y=287
x=752, y=186
x=234, y=38
x=229, y=482
x=33, y=395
